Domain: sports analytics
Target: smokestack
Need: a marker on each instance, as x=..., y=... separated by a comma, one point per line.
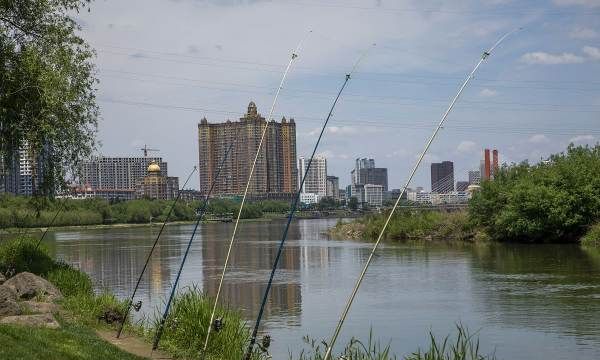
x=487, y=167
x=495, y=162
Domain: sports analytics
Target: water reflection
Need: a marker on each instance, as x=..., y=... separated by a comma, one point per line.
x=529, y=302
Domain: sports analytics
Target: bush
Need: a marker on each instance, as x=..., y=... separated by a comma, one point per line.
x=554, y=201
x=18, y=255
x=592, y=237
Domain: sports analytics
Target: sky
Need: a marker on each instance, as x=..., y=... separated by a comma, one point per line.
x=165, y=64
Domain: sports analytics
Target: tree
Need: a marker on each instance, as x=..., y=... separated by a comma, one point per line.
x=553, y=201
x=47, y=86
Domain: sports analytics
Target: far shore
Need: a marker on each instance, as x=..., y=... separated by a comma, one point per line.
x=12, y=231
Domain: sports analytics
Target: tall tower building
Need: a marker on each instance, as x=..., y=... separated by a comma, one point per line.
x=442, y=177
x=275, y=170
x=316, y=177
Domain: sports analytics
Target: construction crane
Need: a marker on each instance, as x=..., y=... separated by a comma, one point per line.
x=145, y=150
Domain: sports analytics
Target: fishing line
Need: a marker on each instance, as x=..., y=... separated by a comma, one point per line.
x=293, y=210
x=139, y=280
x=163, y=319
x=237, y=221
x=338, y=328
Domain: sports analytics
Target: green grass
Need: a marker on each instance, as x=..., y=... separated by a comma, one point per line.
x=464, y=346
x=69, y=342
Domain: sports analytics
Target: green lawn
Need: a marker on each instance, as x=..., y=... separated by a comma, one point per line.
x=68, y=342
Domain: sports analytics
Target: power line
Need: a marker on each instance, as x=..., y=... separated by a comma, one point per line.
x=416, y=125
x=317, y=94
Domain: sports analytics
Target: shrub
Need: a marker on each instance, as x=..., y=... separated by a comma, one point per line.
x=592, y=237
x=18, y=255
x=553, y=201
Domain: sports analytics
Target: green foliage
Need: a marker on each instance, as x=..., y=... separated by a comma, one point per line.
x=88, y=309
x=186, y=325
x=18, y=255
x=48, y=86
x=592, y=237
x=417, y=225
x=553, y=201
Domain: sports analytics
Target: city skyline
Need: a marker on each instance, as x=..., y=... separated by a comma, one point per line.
x=518, y=103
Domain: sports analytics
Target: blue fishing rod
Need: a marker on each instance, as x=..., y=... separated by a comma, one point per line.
x=266, y=340
x=163, y=319
x=139, y=280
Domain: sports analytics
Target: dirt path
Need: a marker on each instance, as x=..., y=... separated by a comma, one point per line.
x=133, y=345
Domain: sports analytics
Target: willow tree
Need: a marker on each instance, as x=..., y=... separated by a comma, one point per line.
x=47, y=86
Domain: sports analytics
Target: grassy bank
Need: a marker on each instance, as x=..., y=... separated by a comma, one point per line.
x=411, y=225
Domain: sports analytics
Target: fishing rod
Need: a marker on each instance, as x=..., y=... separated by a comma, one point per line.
x=292, y=212
x=338, y=328
x=139, y=280
x=60, y=209
x=237, y=221
x=163, y=319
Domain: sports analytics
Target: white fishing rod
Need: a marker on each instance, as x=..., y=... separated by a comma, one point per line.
x=338, y=328
x=237, y=221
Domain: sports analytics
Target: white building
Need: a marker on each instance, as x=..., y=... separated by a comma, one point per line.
x=316, y=179
x=309, y=198
x=454, y=197
x=374, y=195
x=419, y=196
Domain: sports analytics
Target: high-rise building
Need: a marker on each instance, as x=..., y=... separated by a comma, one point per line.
x=373, y=195
x=365, y=172
x=442, y=177
x=316, y=177
x=333, y=187
x=25, y=174
x=117, y=173
x=474, y=177
x=275, y=170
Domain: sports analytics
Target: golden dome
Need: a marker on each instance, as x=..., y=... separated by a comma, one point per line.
x=153, y=167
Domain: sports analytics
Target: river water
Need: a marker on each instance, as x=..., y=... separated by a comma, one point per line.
x=526, y=301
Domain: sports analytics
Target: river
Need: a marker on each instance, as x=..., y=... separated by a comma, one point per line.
x=525, y=301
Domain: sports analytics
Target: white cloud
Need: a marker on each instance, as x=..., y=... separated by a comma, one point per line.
x=582, y=139
x=466, y=146
x=592, y=52
x=544, y=58
x=342, y=130
x=538, y=139
x=487, y=92
x=398, y=153
x=586, y=3
x=584, y=33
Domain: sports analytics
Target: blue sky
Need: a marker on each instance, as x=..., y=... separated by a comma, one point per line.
x=163, y=65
